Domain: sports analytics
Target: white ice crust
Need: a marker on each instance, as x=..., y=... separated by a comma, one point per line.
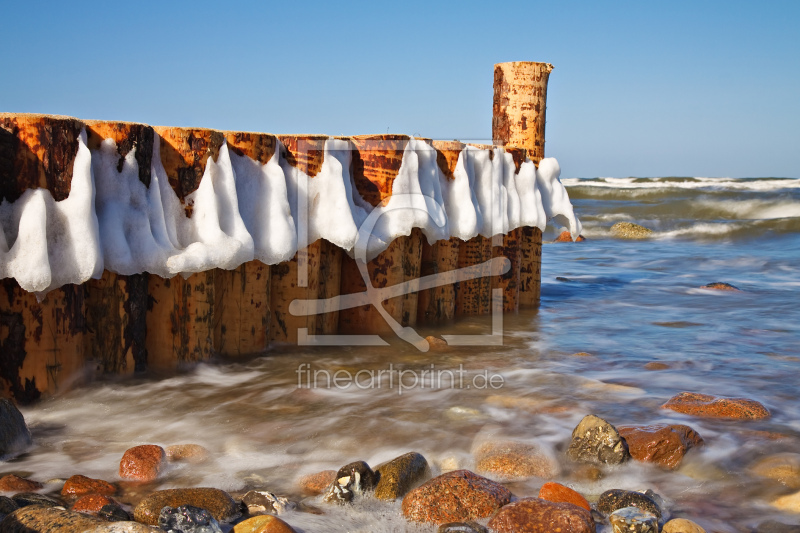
x=244, y=210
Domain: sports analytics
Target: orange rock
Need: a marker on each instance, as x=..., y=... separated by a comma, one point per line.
x=537, y=515
x=12, y=483
x=662, y=444
x=80, y=485
x=510, y=460
x=191, y=453
x=705, y=405
x=556, y=492
x=91, y=503
x=567, y=237
x=719, y=286
x=142, y=463
x=317, y=483
x=436, y=343
x=656, y=365
x=263, y=524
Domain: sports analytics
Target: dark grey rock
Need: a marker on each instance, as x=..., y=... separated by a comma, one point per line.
x=15, y=436
x=7, y=505
x=612, y=500
x=24, y=499
x=633, y=520
x=113, y=513
x=362, y=476
x=462, y=527
x=771, y=526
x=187, y=519
x=595, y=441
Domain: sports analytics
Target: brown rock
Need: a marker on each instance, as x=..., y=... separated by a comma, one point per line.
x=12, y=483
x=142, y=463
x=40, y=519
x=436, y=343
x=533, y=515
x=662, y=444
x=453, y=497
x=91, y=503
x=80, y=485
x=629, y=230
x=191, y=453
x=317, y=483
x=656, y=365
x=790, y=503
x=510, y=460
x=567, y=237
x=719, y=286
x=556, y=492
x=125, y=527
x=681, y=525
x=782, y=467
x=263, y=524
x=705, y=405
x=217, y=502
x=401, y=474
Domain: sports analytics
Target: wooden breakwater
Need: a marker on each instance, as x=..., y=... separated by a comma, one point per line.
x=124, y=323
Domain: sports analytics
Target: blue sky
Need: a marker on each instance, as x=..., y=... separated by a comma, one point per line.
x=639, y=88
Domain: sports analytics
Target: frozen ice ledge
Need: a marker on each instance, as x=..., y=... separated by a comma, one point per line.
x=80, y=197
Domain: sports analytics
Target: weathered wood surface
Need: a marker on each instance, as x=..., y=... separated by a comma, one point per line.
x=242, y=309
x=474, y=297
x=439, y=303
x=530, y=281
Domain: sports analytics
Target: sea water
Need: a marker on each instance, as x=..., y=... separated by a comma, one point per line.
x=626, y=303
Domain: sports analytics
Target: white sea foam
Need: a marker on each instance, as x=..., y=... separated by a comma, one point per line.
x=761, y=184
x=243, y=210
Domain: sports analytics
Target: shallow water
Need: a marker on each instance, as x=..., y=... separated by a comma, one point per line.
x=627, y=303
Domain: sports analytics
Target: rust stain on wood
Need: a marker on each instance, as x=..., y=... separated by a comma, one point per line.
x=376, y=163
x=530, y=266
x=439, y=303
x=242, y=309
x=127, y=136
x=510, y=281
x=257, y=146
x=304, y=152
x=474, y=297
x=447, y=153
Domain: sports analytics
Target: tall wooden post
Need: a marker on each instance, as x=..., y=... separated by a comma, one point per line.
x=518, y=121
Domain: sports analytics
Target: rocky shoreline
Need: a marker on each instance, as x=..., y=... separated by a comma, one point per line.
x=455, y=501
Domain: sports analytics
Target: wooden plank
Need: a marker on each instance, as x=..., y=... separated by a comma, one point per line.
x=530, y=267
x=510, y=281
x=439, y=303
x=474, y=297
x=242, y=309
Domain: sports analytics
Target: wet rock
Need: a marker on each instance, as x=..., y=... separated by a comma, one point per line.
x=113, y=513
x=219, y=503
x=772, y=526
x=566, y=236
x=453, y=497
x=657, y=365
x=263, y=502
x=142, y=463
x=263, y=524
x=91, y=503
x=125, y=527
x=633, y=520
x=790, y=503
x=314, y=484
x=338, y=493
x=12, y=483
x=359, y=474
x=187, y=519
x=719, y=286
x=556, y=492
x=79, y=485
x=436, y=343
x=782, y=467
x=532, y=515
x=629, y=230
x=595, y=441
x=662, y=444
x=190, y=453
x=40, y=519
x=7, y=506
x=511, y=460
x=24, y=499
x=462, y=527
x=614, y=499
x=582, y=354
x=681, y=525
x=705, y=405
x=14, y=433
x=401, y=474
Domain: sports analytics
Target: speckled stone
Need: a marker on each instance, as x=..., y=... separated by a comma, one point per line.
x=566, y=236
x=401, y=474
x=662, y=444
x=142, y=463
x=125, y=527
x=533, y=515
x=187, y=519
x=39, y=519
x=633, y=520
x=511, y=461
x=314, y=484
x=681, y=525
x=219, y=503
x=614, y=499
x=596, y=441
x=629, y=230
x=720, y=286
x=12, y=483
x=263, y=524
x=14, y=433
x=705, y=405
x=79, y=485
x=556, y=492
x=772, y=526
x=24, y=499
x=190, y=453
x=790, y=503
x=462, y=527
x=782, y=467
x=453, y=497
x=91, y=503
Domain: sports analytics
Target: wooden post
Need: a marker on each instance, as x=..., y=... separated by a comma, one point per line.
x=518, y=121
x=376, y=163
x=474, y=297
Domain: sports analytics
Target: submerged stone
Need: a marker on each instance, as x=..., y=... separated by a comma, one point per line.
x=782, y=467
x=12, y=483
x=263, y=524
x=556, y=492
x=596, y=441
x=462, y=527
x=187, y=519
x=614, y=499
x=681, y=525
x=219, y=503
x=720, y=286
x=24, y=499
x=706, y=405
x=39, y=519
x=633, y=520
x=510, y=460
x=314, y=484
x=91, y=503
x=773, y=526
x=540, y=516
x=662, y=444
x=15, y=436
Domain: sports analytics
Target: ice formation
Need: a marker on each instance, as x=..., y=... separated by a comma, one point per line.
x=244, y=210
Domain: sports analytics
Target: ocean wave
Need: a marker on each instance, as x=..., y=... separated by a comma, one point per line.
x=753, y=184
